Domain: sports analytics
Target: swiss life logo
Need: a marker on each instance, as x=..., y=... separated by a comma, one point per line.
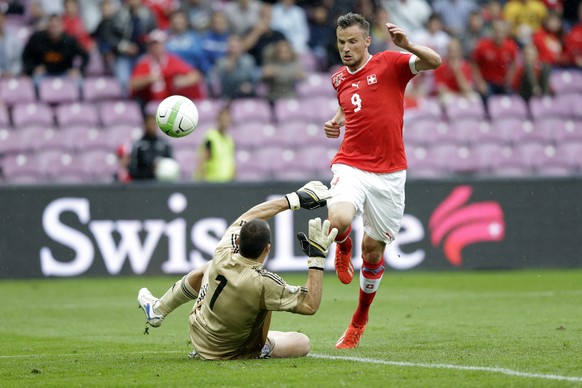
x=456, y=224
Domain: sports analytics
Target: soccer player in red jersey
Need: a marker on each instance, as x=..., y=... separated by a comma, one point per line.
x=369, y=169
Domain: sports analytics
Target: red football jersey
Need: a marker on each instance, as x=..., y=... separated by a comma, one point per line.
x=372, y=99
x=494, y=60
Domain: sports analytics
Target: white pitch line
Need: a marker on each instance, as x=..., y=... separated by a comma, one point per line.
x=449, y=366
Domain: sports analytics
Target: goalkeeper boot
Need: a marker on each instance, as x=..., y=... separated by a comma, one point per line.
x=351, y=337
x=343, y=265
x=147, y=303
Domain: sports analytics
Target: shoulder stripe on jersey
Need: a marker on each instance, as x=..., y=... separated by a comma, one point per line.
x=274, y=277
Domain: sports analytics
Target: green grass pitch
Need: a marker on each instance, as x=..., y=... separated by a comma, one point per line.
x=427, y=329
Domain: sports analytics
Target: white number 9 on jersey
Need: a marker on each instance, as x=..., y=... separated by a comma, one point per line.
x=357, y=101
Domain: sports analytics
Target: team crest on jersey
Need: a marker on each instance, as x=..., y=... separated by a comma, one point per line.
x=372, y=79
x=337, y=79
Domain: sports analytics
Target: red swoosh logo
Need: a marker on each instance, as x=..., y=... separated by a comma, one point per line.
x=460, y=225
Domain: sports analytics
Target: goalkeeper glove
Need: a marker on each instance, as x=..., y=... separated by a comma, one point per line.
x=311, y=196
x=317, y=245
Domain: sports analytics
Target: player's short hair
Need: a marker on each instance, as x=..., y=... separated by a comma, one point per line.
x=254, y=237
x=353, y=19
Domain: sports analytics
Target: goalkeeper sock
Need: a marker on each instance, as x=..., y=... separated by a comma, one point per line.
x=370, y=277
x=180, y=293
x=344, y=241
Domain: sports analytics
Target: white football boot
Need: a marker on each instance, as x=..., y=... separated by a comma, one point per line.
x=147, y=302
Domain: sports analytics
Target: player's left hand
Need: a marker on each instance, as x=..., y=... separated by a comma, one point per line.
x=398, y=35
x=311, y=196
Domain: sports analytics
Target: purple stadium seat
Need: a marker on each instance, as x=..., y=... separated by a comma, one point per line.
x=570, y=154
x=99, y=164
x=289, y=110
x=315, y=85
x=505, y=130
x=527, y=132
x=120, y=112
x=208, y=110
x=547, y=107
x=31, y=114
x=4, y=117
x=17, y=91
x=187, y=160
x=427, y=109
x=555, y=171
x=566, y=81
x=576, y=104
x=274, y=157
x=463, y=108
x=452, y=158
x=10, y=143
x=21, y=168
x=563, y=130
x=489, y=156
x=247, y=110
x=510, y=106
x=96, y=65
x=249, y=168
x=318, y=109
x=79, y=113
x=62, y=141
x=534, y=155
x=58, y=90
x=101, y=88
x=426, y=132
x=316, y=157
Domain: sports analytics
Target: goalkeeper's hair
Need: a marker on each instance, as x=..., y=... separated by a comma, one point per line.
x=254, y=237
x=353, y=19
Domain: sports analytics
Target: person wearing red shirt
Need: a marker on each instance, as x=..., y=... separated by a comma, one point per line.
x=369, y=169
x=162, y=9
x=159, y=74
x=75, y=26
x=493, y=61
x=532, y=77
x=573, y=42
x=454, y=77
x=548, y=41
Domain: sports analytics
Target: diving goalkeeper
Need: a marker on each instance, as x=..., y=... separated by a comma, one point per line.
x=235, y=295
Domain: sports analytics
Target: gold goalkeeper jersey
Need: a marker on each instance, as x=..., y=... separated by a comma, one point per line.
x=230, y=318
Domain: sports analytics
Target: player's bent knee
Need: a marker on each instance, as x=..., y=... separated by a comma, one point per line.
x=303, y=345
x=372, y=250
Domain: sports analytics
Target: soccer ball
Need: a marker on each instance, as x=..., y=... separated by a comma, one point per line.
x=177, y=116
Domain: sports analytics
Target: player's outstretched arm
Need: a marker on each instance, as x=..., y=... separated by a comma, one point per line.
x=311, y=196
x=315, y=247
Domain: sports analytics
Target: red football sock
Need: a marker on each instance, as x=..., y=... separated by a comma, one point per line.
x=370, y=277
x=344, y=241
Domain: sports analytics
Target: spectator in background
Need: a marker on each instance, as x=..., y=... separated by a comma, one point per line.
x=103, y=34
x=433, y=36
x=130, y=26
x=281, y=71
x=322, y=41
x=186, y=43
x=123, y=153
x=571, y=13
x=475, y=30
x=525, y=17
x=454, y=77
x=216, y=161
x=291, y=20
x=574, y=42
x=261, y=35
x=162, y=10
x=549, y=41
x=52, y=53
x=380, y=41
x=242, y=15
x=36, y=17
x=236, y=73
x=455, y=14
x=532, y=77
x=198, y=12
x=491, y=11
x=75, y=27
x=147, y=151
x=215, y=40
x=159, y=74
x=10, y=52
x=493, y=61
x=410, y=15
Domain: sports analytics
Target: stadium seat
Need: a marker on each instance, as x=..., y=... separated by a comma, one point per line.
x=17, y=91
x=11, y=143
x=289, y=110
x=208, y=110
x=564, y=82
x=62, y=141
x=535, y=155
x=78, y=113
x=548, y=107
x=58, y=90
x=245, y=110
x=32, y=114
x=315, y=85
x=507, y=106
x=563, y=131
x=569, y=153
x=527, y=132
x=451, y=158
x=4, y=117
x=98, y=164
x=427, y=109
x=315, y=157
x=249, y=168
x=318, y=109
x=126, y=112
x=576, y=104
x=505, y=130
x=101, y=88
x=187, y=160
x=463, y=108
x=22, y=169
x=489, y=156
x=275, y=158
x=426, y=132
x=96, y=66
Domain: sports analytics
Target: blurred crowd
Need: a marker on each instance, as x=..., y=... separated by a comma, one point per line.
x=245, y=48
x=228, y=50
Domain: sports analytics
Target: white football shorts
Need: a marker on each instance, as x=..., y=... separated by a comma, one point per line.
x=378, y=198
